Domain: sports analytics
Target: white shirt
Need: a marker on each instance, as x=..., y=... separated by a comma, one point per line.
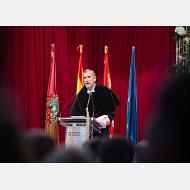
x=89, y=91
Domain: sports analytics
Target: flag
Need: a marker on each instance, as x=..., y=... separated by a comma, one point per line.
x=107, y=80
x=52, y=104
x=80, y=82
x=131, y=123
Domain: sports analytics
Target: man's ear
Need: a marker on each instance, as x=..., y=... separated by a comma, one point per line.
x=95, y=78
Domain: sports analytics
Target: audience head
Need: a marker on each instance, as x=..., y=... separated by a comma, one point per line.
x=175, y=101
x=91, y=147
x=67, y=155
x=38, y=142
x=142, y=152
x=116, y=150
x=169, y=132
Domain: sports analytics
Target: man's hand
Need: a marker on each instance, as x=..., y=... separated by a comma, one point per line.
x=103, y=120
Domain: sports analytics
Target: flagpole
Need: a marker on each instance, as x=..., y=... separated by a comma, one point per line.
x=107, y=81
x=80, y=82
x=52, y=103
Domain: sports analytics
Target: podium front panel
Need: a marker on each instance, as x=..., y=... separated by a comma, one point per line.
x=75, y=136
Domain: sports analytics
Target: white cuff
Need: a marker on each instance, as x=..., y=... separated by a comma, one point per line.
x=103, y=120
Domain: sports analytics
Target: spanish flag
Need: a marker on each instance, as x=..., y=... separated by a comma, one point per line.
x=80, y=82
x=52, y=104
x=107, y=80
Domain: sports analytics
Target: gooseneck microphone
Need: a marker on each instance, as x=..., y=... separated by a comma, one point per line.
x=66, y=104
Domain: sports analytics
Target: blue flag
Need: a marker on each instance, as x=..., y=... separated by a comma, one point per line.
x=131, y=123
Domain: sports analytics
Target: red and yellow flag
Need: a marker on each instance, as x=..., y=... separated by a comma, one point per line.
x=80, y=82
x=52, y=104
x=107, y=80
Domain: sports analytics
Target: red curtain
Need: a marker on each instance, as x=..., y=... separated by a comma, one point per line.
x=25, y=67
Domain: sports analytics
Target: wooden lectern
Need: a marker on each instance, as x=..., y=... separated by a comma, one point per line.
x=76, y=133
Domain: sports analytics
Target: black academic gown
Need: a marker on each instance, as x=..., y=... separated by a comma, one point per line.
x=105, y=103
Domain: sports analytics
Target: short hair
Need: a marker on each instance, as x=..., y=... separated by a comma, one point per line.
x=39, y=142
x=141, y=151
x=67, y=155
x=89, y=70
x=116, y=150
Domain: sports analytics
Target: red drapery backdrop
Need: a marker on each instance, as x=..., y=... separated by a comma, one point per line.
x=25, y=67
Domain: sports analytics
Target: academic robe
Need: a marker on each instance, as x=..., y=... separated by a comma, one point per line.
x=105, y=103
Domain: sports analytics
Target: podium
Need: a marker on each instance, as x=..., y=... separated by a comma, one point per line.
x=76, y=131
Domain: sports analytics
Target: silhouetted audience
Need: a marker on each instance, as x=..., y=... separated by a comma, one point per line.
x=38, y=142
x=169, y=133
x=116, y=150
x=142, y=152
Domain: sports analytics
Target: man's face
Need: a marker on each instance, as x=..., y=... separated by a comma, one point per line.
x=89, y=80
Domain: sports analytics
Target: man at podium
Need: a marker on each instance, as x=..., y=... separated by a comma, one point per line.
x=100, y=100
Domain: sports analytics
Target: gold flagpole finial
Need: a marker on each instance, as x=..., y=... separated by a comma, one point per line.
x=106, y=49
x=133, y=47
x=52, y=45
x=52, y=49
x=81, y=48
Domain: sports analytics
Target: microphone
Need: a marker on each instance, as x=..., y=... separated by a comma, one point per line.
x=66, y=104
